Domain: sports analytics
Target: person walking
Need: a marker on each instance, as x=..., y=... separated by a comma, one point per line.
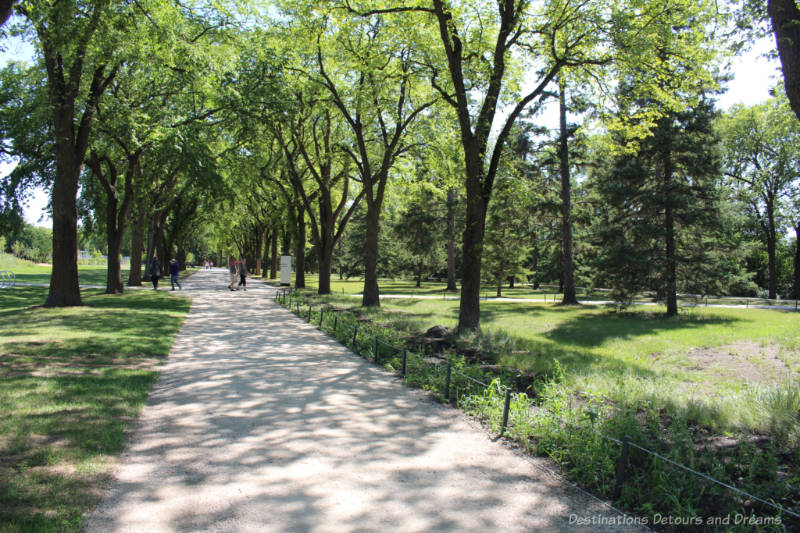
x=155, y=271
x=242, y=275
x=233, y=269
x=173, y=274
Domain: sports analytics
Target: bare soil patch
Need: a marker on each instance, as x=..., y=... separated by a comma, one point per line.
x=746, y=360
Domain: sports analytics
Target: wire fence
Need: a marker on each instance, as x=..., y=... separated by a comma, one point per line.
x=447, y=375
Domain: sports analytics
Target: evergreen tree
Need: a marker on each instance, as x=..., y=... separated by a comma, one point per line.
x=420, y=228
x=658, y=227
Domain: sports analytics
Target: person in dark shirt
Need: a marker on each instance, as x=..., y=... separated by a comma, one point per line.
x=155, y=271
x=173, y=274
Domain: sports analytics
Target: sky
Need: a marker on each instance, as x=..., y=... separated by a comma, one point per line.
x=754, y=76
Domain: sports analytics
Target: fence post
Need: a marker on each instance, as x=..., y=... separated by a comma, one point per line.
x=506, y=407
x=405, y=355
x=447, y=382
x=309, y=313
x=335, y=322
x=376, y=349
x=321, y=315
x=622, y=466
x=355, y=334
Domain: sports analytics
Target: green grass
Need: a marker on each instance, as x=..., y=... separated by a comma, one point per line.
x=71, y=381
x=28, y=272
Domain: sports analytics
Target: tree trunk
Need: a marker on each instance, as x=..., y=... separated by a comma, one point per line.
x=265, y=262
x=114, y=242
x=286, y=242
x=567, y=260
x=273, y=269
x=451, y=240
x=785, y=17
x=137, y=244
x=772, y=282
x=796, y=284
x=300, y=250
x=535, y=262
x=469, y=312
x=259, y=247
x=670, y=276
x=155, y=245
x=371, y=295
x=64, y=288
x=324, y=260
x=6, y=8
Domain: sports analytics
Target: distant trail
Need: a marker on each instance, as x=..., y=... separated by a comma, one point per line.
x=261, y=423
x=587, y=302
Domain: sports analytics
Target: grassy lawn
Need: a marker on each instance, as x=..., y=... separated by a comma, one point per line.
x=71, y=381
x=28, y=272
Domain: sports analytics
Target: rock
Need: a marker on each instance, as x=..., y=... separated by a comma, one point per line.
x=439, y=332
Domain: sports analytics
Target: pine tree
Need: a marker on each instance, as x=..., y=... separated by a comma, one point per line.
x=659, y=223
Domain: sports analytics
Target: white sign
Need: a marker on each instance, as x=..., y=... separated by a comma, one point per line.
x=286, y=270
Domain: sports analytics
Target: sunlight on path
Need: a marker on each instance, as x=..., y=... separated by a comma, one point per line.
x=261, y=423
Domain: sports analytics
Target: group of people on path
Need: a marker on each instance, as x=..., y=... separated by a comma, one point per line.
x=156, y=273
x=238, y=269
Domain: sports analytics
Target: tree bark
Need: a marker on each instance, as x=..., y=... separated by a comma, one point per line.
x=772, y=282
x=137, y=245
x=114, y=273
x=785, y=17
x=266, y=261
x=64, y=288
x=567, y=258
x=670, y=277
x=371, y=295
x=324, y=260
x=258, y=248
x=535, y=262
x=796, y=284
x=451, y=240
x=273, y=269
x=469, y=312
x=300, y=249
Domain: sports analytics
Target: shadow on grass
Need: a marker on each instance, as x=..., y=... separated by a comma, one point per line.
x=60, y=421
x=137, y=324
x=20, y=297
x=593, y=329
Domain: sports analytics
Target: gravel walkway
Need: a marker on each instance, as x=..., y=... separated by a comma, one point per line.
x=261, y=423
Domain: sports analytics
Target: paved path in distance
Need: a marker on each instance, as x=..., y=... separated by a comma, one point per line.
x=261, y=423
